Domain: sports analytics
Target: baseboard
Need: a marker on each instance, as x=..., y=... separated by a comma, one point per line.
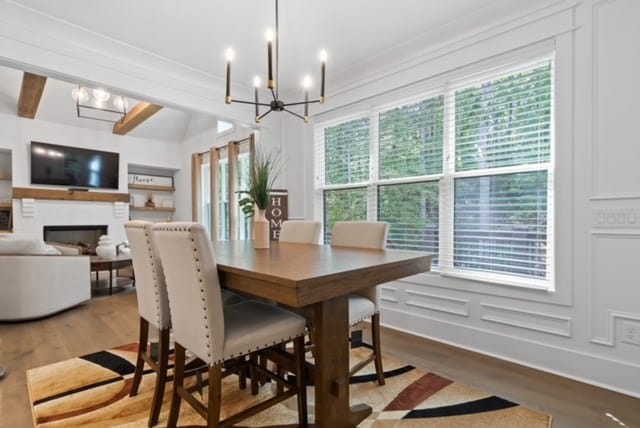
x=591, y=369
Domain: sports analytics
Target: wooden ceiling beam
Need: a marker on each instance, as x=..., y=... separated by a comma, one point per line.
x=135, y=117
x=30, y=94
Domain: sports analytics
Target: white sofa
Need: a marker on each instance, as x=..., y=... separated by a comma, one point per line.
x=38, y=281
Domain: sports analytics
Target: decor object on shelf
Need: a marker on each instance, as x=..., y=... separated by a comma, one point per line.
x=149, y=203
x=106, y=247
x=262, y=175
x=94, y=106
x=273, y=85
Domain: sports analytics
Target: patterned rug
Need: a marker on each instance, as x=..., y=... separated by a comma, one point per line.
x=93, y=391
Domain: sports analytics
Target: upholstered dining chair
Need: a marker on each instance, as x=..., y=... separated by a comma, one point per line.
x=300, y=231
x=217, y=333
x=153, y=308
x=364, y=303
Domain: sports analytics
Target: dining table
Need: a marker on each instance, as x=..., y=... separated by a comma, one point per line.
x=319, y=277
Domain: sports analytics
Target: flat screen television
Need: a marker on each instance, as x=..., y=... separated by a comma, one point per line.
x=73, y=167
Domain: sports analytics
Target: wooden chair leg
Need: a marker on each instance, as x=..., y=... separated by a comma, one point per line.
x=142, y=348
x=301, y=380
x=215, y=385
x=161, y=376
x=178, y=382
x=377, y=348
x=253, y=374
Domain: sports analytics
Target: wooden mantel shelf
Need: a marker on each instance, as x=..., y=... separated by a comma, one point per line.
x=68, y=195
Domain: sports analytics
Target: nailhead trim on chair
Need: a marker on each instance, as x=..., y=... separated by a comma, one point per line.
x=201, y=281
x=153, y=270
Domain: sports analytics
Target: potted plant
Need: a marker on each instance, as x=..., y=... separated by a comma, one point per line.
x=262, y=174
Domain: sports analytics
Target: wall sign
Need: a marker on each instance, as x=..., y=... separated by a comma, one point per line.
x=277, y=212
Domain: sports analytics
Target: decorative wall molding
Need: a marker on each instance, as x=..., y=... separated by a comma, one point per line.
x=613, y=317
x=598, y=194
x=535, y=321
x=610, y=316
x=389, y=294
x=439, y=303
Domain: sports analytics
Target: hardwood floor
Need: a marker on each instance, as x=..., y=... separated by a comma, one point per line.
x=113, y=320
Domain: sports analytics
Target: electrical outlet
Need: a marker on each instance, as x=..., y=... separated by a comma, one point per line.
x=631, y=333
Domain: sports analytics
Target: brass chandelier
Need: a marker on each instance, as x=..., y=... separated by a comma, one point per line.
x=276, y=104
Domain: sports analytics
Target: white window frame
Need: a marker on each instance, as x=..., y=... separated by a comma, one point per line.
x=448, y=86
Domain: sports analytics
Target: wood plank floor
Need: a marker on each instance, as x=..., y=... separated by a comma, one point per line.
x=112, y=320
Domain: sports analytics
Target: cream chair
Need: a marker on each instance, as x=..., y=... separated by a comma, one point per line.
x=300, y=231
x=153, y=308
x=364, y=303
x=215, y=333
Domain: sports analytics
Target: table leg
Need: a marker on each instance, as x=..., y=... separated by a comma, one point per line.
x=110, y=280
x=331, y=324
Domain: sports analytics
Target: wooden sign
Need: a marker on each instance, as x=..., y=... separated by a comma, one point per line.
x=277, y=212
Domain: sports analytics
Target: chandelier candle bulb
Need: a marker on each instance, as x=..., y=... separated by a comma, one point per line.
x=256, y=84
x=229, y=55
x=270, y=83
x=323, y=59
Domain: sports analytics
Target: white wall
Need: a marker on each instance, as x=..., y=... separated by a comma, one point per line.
x=16, y=133
x=576, y=330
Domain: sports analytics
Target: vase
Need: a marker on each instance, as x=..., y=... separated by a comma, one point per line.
x=261, y=230
x=106, y=247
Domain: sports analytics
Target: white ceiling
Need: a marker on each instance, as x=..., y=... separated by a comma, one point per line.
x=196, y=33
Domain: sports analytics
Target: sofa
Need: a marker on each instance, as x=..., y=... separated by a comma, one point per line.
x=39, y=280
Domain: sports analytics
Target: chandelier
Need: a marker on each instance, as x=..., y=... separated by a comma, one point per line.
x=95, y=105
x=276, y=104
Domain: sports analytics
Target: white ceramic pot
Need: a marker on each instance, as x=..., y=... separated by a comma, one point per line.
x=106, y=247
x=261, y=230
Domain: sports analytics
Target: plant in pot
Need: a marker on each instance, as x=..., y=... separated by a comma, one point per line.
x=262, y=174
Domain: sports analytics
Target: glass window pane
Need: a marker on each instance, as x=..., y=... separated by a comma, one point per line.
x=346, y=152
x=412, y=213
x=410, y=139
x=505, y=121
x=343, y=205
x=500, y=224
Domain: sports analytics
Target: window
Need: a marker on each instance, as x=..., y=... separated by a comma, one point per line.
x=464, y=172
x=224, y=126
x=222, y=173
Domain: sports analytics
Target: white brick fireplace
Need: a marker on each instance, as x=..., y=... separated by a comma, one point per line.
x=31, y=215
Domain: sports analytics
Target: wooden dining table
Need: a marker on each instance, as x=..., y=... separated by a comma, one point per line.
x=320, y=276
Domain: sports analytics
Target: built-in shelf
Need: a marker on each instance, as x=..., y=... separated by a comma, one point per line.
x=165, y=209
x=152, y=188
x=5, y=205
x=69, y=195
x=5, y=176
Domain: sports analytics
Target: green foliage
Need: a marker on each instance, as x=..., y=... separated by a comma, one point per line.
x=346, y=152
x=262, y=175
x=343, y=205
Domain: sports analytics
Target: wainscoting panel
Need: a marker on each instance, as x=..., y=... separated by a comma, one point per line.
x=536, y=321
x=433, y=302
x=615, y=30
x=614, y=286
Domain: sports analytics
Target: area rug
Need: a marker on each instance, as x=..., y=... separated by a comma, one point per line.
x=93, y=391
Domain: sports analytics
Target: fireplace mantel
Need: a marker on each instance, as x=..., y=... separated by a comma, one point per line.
x=68, y=195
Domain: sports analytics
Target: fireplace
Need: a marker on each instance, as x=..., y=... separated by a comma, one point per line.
x=83, y=236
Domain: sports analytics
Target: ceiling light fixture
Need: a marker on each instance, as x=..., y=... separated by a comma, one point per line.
x=272, y=84
x=94, y=106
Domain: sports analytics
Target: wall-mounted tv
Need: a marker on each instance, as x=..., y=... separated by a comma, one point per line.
x=73, y=167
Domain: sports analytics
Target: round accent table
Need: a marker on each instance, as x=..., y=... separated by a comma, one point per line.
x=110, y=263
